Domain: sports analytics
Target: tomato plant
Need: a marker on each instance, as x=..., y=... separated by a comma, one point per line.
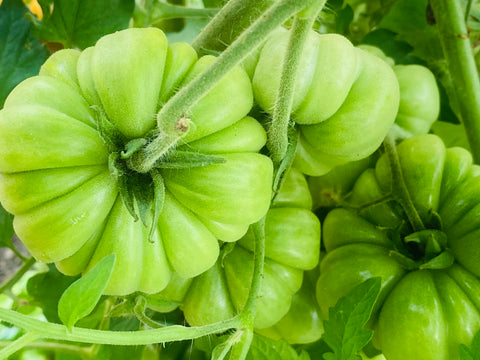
x=205, y=179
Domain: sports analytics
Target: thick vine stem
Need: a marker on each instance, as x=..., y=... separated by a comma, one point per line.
x=458, y=52
x=399, y=188
x=93, y=336
x=278, y=131
x=18, y=344
x=219, y=33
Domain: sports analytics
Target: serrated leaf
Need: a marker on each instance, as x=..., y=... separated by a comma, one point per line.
x=6, y=228
x=344, y=330
x=82, y=296
x=80, y=23
x=263, y=348
x=21, y=54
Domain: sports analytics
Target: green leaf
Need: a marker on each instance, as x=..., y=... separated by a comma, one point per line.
x=407, y=19
x=80, y=23
x=344, y=330
x=263, y=348
x=6, y=228
x=142, y=188
x=82, y=296
x=21, y=55
x=472, y=352
x=46, y=290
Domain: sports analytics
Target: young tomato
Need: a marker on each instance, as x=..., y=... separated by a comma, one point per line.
x=62, y=137
x=345, y=100
x=292, y=236
x=429, y=302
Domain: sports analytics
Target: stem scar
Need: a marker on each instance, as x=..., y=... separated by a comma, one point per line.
x=182, y=124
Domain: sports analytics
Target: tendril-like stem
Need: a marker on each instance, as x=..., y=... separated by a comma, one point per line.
x=278, y=131
x=173, y=115
x=399, y=188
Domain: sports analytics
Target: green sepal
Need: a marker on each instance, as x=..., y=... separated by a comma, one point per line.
x=404, y=261
x=132, y=147
x=442, y=261
x=127, y=196
x=112, y=137
x=158, y=200
x=187, y=159
x=142, y=188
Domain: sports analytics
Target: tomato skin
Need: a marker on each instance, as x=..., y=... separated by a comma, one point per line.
x=292, y=236
x=54, y=161
x=345, y=99
x=422, y=313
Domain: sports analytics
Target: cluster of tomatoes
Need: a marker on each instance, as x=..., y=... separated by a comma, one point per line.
x=65, y=175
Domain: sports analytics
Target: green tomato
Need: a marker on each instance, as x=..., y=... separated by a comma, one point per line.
x=429, y=302
x=419, y=97
x=292, y=235
x=345, y=99
x=54, y=161
x=303, y=323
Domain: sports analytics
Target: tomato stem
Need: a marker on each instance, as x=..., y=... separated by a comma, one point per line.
x=461, y=65
x=178, y=106
x=18, y=344
x=13, y=280
x=399, y=188
x=278, y=131
x=219, y=32
x=94, y=336
x=248, y=313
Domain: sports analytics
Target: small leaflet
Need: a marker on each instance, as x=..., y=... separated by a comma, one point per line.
x=82, y=296
x=344, y=330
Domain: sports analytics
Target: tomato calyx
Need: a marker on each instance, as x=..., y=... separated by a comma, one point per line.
x=424, y=249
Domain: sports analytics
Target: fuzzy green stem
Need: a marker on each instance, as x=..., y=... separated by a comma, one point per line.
x=172, y=119
x=277, y=141
x=93, y=336
x=219, y=32
x=18, y=344
x=458, y=52
x=162, y=11
x=399, y=188
x=248, y=313
x=13, y=280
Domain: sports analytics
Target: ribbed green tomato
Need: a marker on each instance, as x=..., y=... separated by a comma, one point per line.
x=55, y=173
x=430, y=298
x=419, y=97
x=303, y=323
x=292, y=235
x=345, y=99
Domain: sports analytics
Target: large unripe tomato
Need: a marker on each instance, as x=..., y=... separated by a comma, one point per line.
x=56, y=151
x=345, y=99
x=429, y=302
x=292, y=236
